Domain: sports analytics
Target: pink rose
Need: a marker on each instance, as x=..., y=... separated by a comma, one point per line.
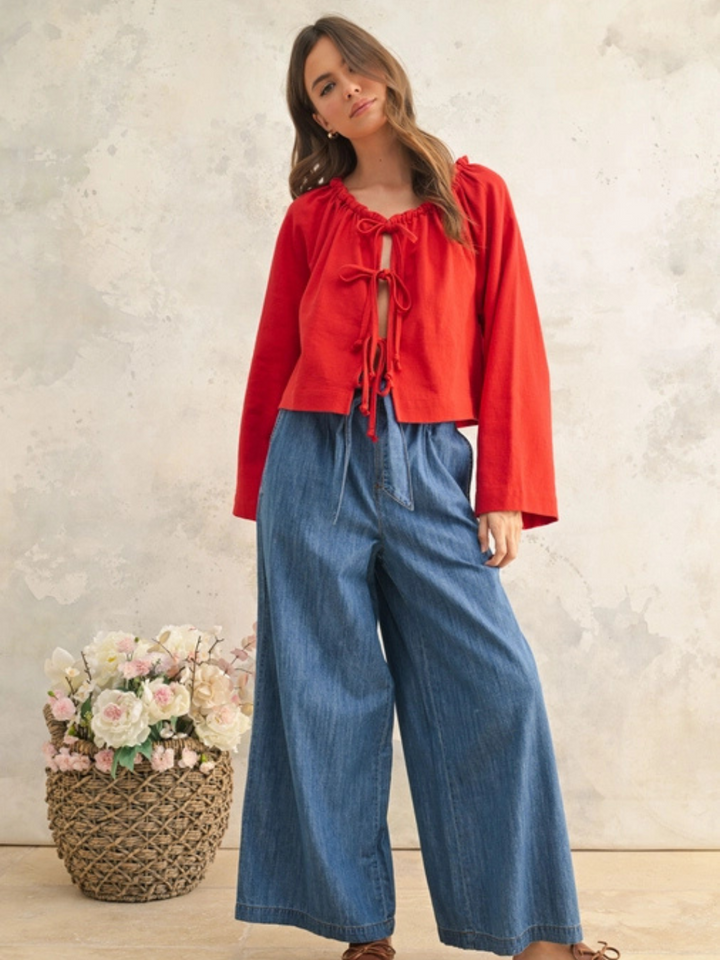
x=62, y=760
x=49, y=752
x=163, y=695
x=104, y=760
x=66, y=761
x=62, y=708
x=189, y=758
x=81, y=763
x=163, y=758
x=135, y=668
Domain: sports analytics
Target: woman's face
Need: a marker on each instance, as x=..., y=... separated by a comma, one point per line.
x=345, y=101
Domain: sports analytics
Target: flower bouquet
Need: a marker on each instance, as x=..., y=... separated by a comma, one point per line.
x=139, y=779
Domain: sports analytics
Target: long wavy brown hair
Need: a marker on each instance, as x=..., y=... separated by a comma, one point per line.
x=316, y=159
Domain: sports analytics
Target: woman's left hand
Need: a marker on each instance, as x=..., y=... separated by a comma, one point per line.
x=505, y=527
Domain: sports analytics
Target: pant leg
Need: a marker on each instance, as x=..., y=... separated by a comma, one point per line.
x=314, y=846
x=472, y=717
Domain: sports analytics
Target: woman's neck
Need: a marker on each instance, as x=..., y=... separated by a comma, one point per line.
x=382, y=161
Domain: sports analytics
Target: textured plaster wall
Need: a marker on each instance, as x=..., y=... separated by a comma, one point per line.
x=144, y=150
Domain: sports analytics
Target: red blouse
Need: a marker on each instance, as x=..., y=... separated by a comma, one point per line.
x=463, y=334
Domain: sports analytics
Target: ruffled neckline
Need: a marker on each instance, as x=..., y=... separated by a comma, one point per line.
x=354, y=204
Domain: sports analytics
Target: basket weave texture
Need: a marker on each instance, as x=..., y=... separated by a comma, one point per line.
x=147, y=835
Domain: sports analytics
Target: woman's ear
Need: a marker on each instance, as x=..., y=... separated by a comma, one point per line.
x=323, y=123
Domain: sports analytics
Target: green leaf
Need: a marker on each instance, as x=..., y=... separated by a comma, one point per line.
x=125, y=757
x=146, y=749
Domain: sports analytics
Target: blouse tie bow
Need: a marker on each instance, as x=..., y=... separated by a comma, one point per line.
x=380, y=357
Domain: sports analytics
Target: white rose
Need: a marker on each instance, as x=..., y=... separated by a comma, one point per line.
x=119, y=719
x=212, y=688
x=223, y=728
x=165, y=700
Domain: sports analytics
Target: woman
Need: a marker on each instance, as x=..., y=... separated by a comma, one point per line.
x=399, y=307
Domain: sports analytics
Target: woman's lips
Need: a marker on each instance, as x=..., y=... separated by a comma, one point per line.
x=362, y=106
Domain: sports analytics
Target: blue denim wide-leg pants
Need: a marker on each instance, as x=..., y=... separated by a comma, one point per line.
x=352, y=534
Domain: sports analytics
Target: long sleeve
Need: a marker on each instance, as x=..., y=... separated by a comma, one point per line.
x=515, y=456
x=277, y=348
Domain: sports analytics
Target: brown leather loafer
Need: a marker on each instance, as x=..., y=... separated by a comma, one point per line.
x=581, y=951
x=379, y=949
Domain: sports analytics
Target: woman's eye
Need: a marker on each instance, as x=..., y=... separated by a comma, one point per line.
x=327, y=87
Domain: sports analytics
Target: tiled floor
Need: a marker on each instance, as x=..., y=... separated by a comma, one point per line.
x=650, y=905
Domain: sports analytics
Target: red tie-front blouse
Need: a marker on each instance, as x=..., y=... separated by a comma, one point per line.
x=463, y=335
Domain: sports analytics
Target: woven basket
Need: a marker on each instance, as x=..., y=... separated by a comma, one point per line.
x=147, y=835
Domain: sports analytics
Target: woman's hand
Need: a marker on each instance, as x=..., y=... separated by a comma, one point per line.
x=505, y=527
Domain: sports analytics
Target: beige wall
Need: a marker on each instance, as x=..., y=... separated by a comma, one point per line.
x=145, y=147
